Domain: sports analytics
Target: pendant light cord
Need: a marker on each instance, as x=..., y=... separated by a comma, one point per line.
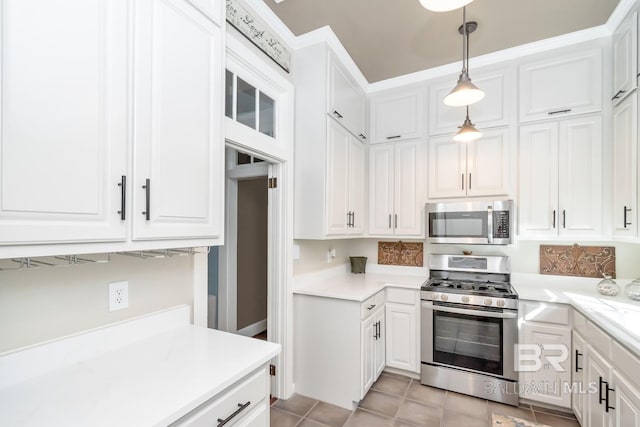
x=465, y=41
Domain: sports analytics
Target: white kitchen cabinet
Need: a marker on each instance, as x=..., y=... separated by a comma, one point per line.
x=345, y=181
x=496, y=108
x=396, y=115
x=547, y=326
x=63, y=148
x=578, y=377
x=395, y=189
x=561, y=179
x=340, y=357
x=212, y=9
x=598, y=370
x=561, y=85
x=626, y=401
x=625, y=163
x=402, y=335
x=625, y=58
x=479, y=168
x=178, y=183
x=346, y=100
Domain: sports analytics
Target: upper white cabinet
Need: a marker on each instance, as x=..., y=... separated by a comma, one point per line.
x=495, y=109
x=625, y=163
x=561, y=179
x=397, y=115
x=625, y=58
x=346, y=100
x=395, y=188
x=177, y=186
x=329, y=193
x=565, y=84
x=63, y=147
x=211, y=8
x=479, y=168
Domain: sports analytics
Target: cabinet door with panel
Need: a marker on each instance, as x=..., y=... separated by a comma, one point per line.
x=447, y=168
x=578, y=377
x=346, y=101
x=338, y=177
x=357, y=157
x=402, y=322
x=565, y=84
x=625, y=58
x=64, y=115
x=396, y=116
x=367, y=366
x=178, y=157
x=599, y=374
x=379, y=343
x=626, y=401
x=625, y=163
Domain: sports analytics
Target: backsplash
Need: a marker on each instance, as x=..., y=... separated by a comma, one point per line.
x=581, y=261
x=401, y=253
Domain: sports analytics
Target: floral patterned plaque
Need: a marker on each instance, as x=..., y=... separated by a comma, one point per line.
x=400, y=253
x=582, y=261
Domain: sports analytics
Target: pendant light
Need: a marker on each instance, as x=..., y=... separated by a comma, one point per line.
x=465, y=92
x=468, y=131
x=443, y=5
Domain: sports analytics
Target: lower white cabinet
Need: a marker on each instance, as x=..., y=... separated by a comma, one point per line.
x=402, y=336
x=598, y=374
x=338, y=347
x=626, y=402
x=578, y=377
x=245, y=403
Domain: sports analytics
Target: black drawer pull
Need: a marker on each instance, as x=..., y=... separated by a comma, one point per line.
x=371, y=307
x=554, y=218
x=147, y=189
x=394, y=137
x=617, y=95
x=241, y=407
x=625, y=217
x=123, y=196
x=600, y=398
x=338, y=115
x=606, y=398
x=362, y=136
x=551, y=113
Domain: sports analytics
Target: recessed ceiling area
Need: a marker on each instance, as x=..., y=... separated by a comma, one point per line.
x=390, y=38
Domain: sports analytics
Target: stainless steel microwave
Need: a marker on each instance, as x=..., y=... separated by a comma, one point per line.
x=478, y=222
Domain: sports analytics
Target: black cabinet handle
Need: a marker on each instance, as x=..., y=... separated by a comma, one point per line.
x=625, y=217
x=600, y=398
x=147, y=189
x=394, y=137
x=551, y=113
x=123, y=197
x=606, y=397
x=577, y=355
x=362, y=136
x=371, y=307
x=395, y=220
x=389, y=220
x=617, y=95
x=353, y=219
x=375, y=331
x=463, y=181
x=469, y=180
x=564, y=218
x=554, y=218
x=338, y=115
x=348, y=219
x=241, y=407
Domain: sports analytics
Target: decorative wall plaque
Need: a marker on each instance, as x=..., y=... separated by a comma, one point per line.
x=582, y=261
x=400, y=253
x=258, y=32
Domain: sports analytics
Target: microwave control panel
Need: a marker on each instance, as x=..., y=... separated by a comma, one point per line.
x=501, y=224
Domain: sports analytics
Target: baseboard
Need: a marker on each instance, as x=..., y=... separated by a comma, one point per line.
x=254, y=329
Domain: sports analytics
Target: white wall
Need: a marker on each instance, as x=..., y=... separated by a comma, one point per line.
x=42, y=304
x=313, y=254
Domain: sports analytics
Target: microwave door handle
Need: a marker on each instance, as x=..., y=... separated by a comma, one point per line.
x=490, y=224
x=482, y=313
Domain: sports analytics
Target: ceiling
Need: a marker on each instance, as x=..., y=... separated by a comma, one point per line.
x=389, y=38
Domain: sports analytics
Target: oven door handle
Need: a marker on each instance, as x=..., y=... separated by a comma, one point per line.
x=503, y=315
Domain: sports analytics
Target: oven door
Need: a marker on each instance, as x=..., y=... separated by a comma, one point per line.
x=469, y=338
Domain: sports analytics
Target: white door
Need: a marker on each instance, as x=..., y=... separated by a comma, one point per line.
x=580, y=177
x=578, y=377
x=337, y=189
x=626, y=401
x=64, y=79
x=381, y=189
x=408, y=184
x=488, y=164
x=179, y=154
x=549, y=381
x=357, y=157
x=367, y=350
x=597, y=369
x=539, y=180
x=379, y=343
x=625, y=51
x=401, y=336
x=625, y=148
x=447, y=168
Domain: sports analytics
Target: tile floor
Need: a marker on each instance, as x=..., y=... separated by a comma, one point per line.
x=396, y=400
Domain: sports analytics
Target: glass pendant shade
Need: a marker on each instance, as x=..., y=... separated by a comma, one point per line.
x=443, y=5
x=467, y=132
x=464, y=92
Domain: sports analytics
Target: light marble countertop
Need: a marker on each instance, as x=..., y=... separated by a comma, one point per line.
x=617, y=315
x=150, y=382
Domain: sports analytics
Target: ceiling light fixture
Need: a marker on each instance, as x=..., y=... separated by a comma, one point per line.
x=464, y=92
x=468, y=131
x=443, y=5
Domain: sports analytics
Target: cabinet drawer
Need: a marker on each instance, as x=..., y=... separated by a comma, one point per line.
x=579, y=322
x=598, y=339
x=252, y=390
x=402, y=296
x=371, y=305
x=545, y=313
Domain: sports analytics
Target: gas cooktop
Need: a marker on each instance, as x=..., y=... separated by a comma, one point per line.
x=501, y=289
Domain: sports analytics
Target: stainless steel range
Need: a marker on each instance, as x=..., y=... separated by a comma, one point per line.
x=470, y=326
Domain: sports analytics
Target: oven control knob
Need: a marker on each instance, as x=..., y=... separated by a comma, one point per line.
x=487, y=301
x=444, y=297
x=465, y=299
x=433, y=296
x=500, y=303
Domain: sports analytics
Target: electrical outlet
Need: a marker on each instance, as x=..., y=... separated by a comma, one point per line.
x=118, y=295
